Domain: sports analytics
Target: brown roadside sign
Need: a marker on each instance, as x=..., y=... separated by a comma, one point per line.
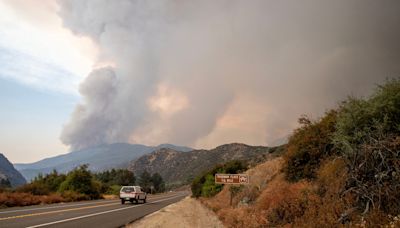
x=231, y=178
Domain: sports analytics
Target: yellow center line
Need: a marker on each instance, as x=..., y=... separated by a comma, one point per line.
x=52, y=212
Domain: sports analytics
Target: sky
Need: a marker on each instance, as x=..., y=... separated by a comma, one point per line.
x=80, y=73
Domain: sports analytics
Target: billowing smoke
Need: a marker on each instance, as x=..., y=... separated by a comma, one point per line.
x=201, y=73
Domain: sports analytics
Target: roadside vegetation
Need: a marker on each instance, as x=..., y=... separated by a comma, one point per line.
x=78, y=184
x=204, y=185
x=340, y=170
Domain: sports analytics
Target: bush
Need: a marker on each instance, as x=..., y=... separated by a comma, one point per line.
x=209, y=188
x=361, y=119
x=308, y=146
x=368, y=136
x=43, y=185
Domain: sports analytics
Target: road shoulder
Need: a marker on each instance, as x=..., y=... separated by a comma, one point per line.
x=186, y=213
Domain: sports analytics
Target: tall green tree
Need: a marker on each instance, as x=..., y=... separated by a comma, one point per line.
x=158, y=182
x=116, y=177
x=125, y=177
x=145, y=181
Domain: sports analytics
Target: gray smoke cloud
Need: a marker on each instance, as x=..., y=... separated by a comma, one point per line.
x=176, y=70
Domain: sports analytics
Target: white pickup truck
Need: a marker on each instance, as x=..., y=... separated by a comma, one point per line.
x=132, y=194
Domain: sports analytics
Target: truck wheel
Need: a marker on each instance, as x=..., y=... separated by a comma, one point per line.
x=122, y=201
x=144, y=200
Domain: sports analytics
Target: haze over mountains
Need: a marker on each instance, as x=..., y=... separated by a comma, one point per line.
x=107, y=156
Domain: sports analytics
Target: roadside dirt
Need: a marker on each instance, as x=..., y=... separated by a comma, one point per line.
x=186, y=213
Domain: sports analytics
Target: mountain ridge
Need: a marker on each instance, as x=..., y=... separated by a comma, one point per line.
x=102, y=157
x=179, y=168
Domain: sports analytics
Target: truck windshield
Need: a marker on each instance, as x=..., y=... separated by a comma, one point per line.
x=127, y=189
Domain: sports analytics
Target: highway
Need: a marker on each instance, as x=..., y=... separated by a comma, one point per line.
x=96, y=213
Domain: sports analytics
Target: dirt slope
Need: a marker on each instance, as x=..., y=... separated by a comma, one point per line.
x=188, y=213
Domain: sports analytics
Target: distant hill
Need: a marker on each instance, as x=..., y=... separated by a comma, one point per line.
x=8, y=172
x=117, y=155
x=179, y=168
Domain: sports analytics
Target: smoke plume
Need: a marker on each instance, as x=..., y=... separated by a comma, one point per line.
x=203, y=73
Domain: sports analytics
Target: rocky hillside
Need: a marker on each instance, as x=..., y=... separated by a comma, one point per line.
x=179, y=168
x=9, y=174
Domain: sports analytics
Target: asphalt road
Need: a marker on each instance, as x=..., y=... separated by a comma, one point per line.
x=97, y=213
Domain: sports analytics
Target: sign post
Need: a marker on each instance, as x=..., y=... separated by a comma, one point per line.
x=232, y=179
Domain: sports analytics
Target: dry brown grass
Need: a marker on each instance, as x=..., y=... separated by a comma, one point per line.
x=18, y=199
x=242, y=217
x=110, y=197
x=245, y=214
x=71, y=196
x=9, y=199
x=283, y=202
x=271, y=201
x=263, y=173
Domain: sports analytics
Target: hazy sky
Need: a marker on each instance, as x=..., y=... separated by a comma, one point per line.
x=79, y=73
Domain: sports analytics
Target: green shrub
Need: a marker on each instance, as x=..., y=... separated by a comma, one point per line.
x=308, y=146
x=197, y=185
x=43, y=184
x=368, y=136
x=209, y=187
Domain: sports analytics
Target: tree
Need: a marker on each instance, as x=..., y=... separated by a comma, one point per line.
x=158, y=182
x=145, y=181
x=116, y=177
x=125, y=177
x=104, y=177
x=81, y=180
x=53, y=180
